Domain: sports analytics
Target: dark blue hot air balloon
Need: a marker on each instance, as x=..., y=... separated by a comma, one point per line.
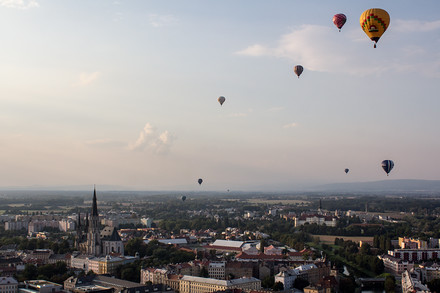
x=387, y=166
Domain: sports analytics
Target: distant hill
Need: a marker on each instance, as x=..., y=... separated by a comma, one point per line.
x=399, y=185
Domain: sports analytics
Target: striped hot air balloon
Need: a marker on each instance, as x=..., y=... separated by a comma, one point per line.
x=387, y=166
x=339, y=20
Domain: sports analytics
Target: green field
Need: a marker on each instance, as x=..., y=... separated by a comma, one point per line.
x=330, y=239
x=279, y=201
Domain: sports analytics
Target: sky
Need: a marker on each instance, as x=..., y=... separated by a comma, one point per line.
x=124, y=93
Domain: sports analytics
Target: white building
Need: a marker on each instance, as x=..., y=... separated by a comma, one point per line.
x=189, y=284
x=217, y=270
x=66, y=225
x=410, y=285
x=8, y=285
x=394, y=265
x=330, y=221
x=16, y=225
x=306, y=272
x=147, y=222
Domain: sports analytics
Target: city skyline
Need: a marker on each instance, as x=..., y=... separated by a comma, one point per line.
x=125, y=94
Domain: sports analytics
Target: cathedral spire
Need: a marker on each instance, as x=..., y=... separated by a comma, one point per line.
x=95, y=205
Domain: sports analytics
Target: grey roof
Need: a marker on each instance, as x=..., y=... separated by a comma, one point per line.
x=110, y=234
x=228, y=243
x=173, y=241
x=109, y=281
x=220, y=282
x=8, y=280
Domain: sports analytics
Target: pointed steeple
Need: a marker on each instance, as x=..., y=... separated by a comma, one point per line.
x=95, y=205
x=79, y=220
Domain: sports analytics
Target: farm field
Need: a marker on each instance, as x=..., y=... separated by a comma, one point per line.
x=330, y=239
x=279, y=201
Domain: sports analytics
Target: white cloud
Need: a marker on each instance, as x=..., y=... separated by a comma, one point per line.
x=254, y=50
x=19, y=4
x=162, y=20
x=290, y=125
x=104, y=142
x=320, y=48
x=150, y=139
x=86, y=78
x=409, y=26
x=276, y=109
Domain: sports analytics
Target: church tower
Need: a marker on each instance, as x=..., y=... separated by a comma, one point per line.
x=93, y=234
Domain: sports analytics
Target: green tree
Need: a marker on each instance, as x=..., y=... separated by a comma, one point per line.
x=390, y=284
x=30, y=272
x=434, y=285
x=300, y=283
x=204, y=273
x=268, y=282
x=278, y=286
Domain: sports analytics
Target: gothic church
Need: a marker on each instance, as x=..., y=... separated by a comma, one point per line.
x=92, y=241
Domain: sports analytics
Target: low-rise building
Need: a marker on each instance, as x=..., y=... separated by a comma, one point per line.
x=8, y=285
x=394, y=265
x=189, y=284
x=41, y=286
x=410, y=285
x=416, y=255
x=330, y=221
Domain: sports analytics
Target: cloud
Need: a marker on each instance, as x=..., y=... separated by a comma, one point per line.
x=320, y=48
x=150, y=139
x=255, y=50
x=314, y=47
x=241, y=114
x=162, y=20
x=104, y=142
x=86, y=78
x=408, y=26
x=19, y=4
x=276, y=109
x=290, y=125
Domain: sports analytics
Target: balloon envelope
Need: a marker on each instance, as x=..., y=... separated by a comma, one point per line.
x=387, y=166
x=183, y=198
x=200, y=181
x=298, y=69
x=374, y=23
x=346, y=171
x=339, y=20
x=221, y=100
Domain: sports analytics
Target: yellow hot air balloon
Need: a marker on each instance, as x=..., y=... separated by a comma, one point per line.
x=374, y=22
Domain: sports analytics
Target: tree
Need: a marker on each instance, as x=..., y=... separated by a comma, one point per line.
x=390, y=284
x=30, y=272
x=300, y=283
x=278, y=286
x=204, y=273
x=268, y=282
x=434, y=285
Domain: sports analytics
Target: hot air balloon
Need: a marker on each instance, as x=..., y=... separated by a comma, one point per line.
x=387, y=166
x=221, y=100
x=339, y=20
x=298, y=69
x=374, y=22
x=184, y=198
x=346, y=171
x=200, y=181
